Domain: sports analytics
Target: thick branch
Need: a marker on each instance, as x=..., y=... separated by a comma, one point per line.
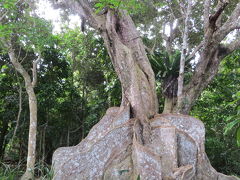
x=234, y=45
x=196, y=50
x=181, y=7
x=3, y=15
x=169, y=40
x=207, y=4
x=17, y=65
x=151, y=50
x=211, y=23
x=83, y=9
x=231, y=24
x=89, y=14
x=229, y=48
x=220, y=8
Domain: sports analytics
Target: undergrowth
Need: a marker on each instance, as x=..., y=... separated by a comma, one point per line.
x=8, y=171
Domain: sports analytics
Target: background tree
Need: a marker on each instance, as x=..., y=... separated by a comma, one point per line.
x=15, y=37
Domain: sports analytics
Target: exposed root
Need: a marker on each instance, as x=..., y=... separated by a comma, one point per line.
x=116, y=149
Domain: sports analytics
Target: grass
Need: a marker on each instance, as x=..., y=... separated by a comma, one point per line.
x=13, y=172
x=10, y=172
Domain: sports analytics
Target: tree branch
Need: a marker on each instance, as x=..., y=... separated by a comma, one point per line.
x=196, y=50
x=16, y=63
x=222, y=4
x=234, y=45
x=172, y=12
x=151, y=50
x=83, y=9
x=3, y=15
x=206, y=13
x=89, y=14
x=231, y=24
x=229, y=48
x=181, y=8
x=19, y=106
x=34, y=70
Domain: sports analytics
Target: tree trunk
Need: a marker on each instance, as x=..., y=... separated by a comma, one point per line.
x=19, y=109
x=183, y=57
x=31, y=157
x=29, y=85
x=168, y=105
x=132, y=141
x=129, y=59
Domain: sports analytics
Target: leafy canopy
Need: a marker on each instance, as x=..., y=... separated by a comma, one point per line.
x=129, y=5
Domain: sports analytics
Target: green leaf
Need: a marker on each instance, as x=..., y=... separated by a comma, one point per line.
x=99, y=5
x=231, y=125
x=229, y=118
x=138, y=178
x=123, y=171
x=161, y=4
x=4, y=67
x=238, y=137
x=164, y=74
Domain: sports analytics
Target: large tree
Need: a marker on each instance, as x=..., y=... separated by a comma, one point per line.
x=132, y=141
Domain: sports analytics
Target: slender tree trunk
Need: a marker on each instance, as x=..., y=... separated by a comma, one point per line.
x=83, y=111
x=44, y=141
x=31, y=157
x=29, y=85
x=68, y=136
x=19, y=108
x=183, y=57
